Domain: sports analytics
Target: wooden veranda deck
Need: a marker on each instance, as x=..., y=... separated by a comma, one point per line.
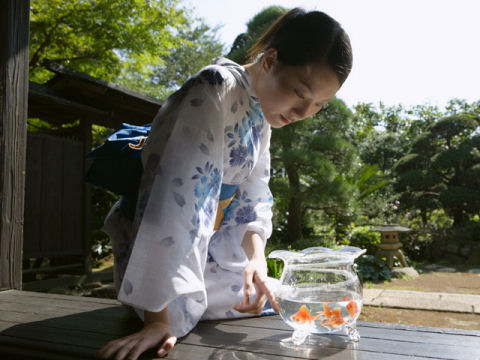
x=48, y=326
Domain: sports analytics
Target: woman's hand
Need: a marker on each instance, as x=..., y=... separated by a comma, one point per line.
x=153, y=334
x=255, y=274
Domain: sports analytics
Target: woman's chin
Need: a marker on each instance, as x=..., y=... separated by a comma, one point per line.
x=275, y=122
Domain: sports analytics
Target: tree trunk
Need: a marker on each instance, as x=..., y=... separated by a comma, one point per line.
x=295, y=213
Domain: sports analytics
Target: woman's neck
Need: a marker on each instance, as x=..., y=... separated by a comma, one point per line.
x=253, y=71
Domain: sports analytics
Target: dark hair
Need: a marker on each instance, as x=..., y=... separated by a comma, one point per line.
x=302, y=38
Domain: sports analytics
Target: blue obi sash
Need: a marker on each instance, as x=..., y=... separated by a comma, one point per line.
x=227, y=193
x=128, y=203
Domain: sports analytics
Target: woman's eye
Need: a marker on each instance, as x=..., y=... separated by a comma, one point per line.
x=299, y=94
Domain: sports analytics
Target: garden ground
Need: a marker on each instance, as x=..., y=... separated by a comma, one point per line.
x=433, y=281
x=466, y=321
x=456, y=281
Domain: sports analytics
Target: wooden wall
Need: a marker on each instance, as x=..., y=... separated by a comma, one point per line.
x=54, y=197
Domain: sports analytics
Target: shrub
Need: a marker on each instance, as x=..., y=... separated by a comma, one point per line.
x=363, y=238
x=370, y=268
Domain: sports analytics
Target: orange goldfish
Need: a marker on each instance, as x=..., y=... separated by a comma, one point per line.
x=303, y=315
x=326, y=311
x=334, y=319
x=352, y=308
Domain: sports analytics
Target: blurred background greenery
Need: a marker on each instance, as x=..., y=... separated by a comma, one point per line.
x=348, y=169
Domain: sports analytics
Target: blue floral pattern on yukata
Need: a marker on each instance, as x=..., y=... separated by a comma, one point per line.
x=205, y=190
x=245, y=136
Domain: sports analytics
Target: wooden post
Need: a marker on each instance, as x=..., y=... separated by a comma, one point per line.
x=14, y=31
x=86, y=126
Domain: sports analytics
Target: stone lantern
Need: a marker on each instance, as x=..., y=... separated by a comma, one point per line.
x=390, y=244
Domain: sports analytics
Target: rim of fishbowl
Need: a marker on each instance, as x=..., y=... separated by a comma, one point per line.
x=350, y=278
x=318, y=255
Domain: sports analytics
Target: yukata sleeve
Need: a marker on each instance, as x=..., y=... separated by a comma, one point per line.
x=178, y=199
x=251, y=210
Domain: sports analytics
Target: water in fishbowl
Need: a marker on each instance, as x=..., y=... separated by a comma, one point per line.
x=315, y=311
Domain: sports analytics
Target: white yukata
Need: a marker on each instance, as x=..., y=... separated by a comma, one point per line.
x=209, y=140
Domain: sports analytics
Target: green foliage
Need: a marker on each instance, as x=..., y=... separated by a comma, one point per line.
x=147, y=46
x=370, y=268
x=275, y=268
x=312, y=174
x=200, y=46
x=102, y=37
x=255, y=27
x=466, y=234
x=368, y=180
x=439, y=171
x=363, y=238
x=418, y=242
x=326, y=240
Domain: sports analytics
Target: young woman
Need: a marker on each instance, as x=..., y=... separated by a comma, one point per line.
x=194, y=248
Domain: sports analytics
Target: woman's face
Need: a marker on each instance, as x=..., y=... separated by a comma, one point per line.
x=292, y=93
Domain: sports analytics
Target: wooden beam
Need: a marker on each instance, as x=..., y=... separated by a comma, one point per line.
x=14, y=32
x=46, y=103
x=59, y=106
x=99, y=86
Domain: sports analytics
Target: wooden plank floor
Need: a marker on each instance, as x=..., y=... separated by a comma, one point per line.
x=48, y=326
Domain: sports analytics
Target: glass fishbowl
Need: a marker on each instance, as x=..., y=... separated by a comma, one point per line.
x=319, y=291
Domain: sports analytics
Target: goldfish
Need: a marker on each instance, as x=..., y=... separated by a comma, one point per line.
x=327, y=312
x=352, y=308
x=334, y=319
x=303, y=315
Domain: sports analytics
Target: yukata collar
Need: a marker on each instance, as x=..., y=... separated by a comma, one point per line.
x=244, y=77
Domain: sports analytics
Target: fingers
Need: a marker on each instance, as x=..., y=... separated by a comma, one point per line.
x=167, y=346
x=147, y=343
x=112, y=347
x=247, y=291
x=247, y=285
x=251, y=279
x=262, y=285
x=137, y=350
x=132, y=346
x=253, y=308
x=125, y=350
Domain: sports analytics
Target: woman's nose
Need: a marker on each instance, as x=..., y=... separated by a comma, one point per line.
x=300, y=111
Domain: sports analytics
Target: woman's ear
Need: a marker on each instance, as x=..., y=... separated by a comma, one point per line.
x=269, y=59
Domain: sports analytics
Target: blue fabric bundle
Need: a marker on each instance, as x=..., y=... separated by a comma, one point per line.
x=116, y=165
